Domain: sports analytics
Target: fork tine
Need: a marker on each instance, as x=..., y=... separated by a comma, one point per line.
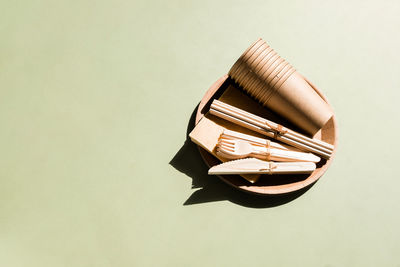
x=227, y=141
x=226, y=152
x=231, y=147
x=227, y=148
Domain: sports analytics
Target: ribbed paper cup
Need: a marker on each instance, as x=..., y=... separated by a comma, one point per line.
x=258, y=64
x=263, y=59
x=248, y=60
x=235, y=68
x=277, y=85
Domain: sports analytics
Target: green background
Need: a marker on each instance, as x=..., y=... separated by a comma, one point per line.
x=95, y=101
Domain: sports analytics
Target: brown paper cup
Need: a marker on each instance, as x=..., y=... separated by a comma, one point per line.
x=277, y=85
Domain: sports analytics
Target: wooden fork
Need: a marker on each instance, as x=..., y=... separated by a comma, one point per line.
x=237, y=149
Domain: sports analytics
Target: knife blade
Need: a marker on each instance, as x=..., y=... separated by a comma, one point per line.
x=257, y=166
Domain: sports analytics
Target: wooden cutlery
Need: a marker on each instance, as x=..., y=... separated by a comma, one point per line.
x=270, y=129
x=237, y=149
x=257, y=166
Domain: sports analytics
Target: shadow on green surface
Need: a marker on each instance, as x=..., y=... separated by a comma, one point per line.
x=210, y=188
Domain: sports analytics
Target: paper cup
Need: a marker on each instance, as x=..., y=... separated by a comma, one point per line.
x=277, y=85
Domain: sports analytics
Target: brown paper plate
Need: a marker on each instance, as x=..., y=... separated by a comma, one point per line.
x=272, y=184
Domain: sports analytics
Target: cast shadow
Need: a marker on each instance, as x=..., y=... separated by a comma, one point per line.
x=210, y=188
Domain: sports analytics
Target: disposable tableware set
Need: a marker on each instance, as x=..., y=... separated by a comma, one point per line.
x=232, y=145
x=234, y=127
